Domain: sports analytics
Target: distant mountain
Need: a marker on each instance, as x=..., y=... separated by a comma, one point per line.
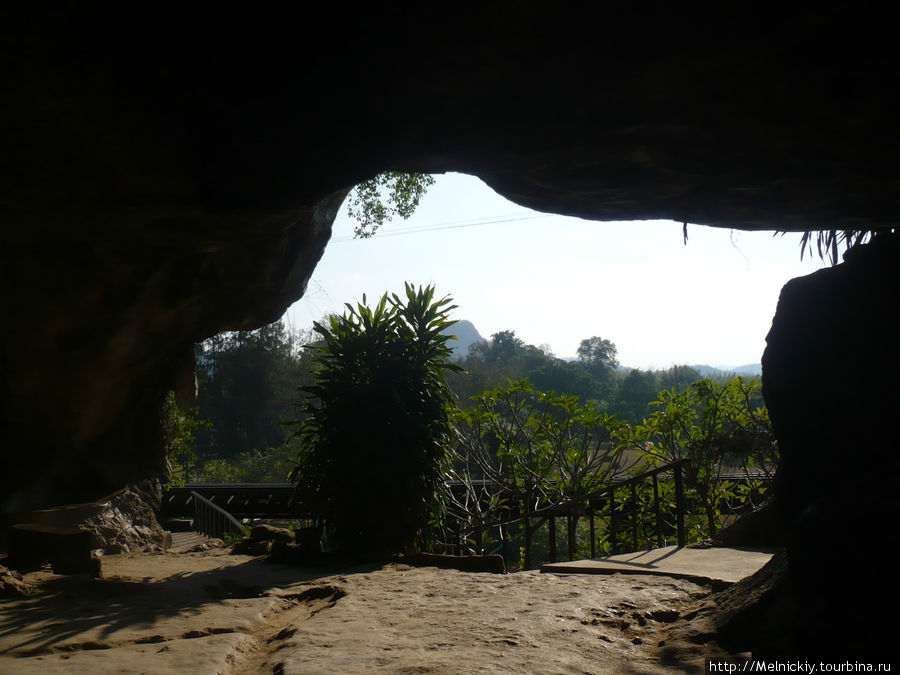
x=466, y=334
x=750, y=370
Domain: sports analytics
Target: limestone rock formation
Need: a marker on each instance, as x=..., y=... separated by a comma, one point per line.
x=126, y=523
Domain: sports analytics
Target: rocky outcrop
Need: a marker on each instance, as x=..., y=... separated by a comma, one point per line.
x=12, y=585
x=126, y=523
x=72, y=538
x=829, y=379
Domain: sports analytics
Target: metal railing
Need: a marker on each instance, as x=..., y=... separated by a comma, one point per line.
x=212, y=520
x=589, y=504
x=242, y=500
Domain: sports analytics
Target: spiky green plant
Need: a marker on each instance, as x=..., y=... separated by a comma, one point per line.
x=376, y=431
x=828, y=242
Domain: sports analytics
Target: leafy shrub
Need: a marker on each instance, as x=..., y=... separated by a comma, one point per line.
x=376, y=430
x=713, y=426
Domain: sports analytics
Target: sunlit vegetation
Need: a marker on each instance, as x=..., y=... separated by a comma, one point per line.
x=382, y=419
x=376, y=430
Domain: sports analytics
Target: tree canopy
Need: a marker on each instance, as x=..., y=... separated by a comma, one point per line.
x=376, y=201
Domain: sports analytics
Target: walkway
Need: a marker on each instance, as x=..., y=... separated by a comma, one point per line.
x=698, y=564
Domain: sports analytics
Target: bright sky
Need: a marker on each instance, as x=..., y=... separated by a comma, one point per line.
x=556, y=279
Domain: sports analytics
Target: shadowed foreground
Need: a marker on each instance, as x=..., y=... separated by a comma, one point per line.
x=236, y=614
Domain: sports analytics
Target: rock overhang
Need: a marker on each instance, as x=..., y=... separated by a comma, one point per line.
x=174, y=177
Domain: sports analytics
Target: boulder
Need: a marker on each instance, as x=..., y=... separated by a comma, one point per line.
x=250, y=546
x=296, y=554
x=64, y=536
x=760, y=528
x=126, y=522
x=310, y=538
x=67, y=549
x=12, y=585
x=265, y=532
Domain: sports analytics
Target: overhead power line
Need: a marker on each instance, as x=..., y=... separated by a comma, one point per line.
x=452, y=225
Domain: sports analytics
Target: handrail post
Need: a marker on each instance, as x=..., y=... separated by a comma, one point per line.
x=679, y=505
x=527, y=557
x=591, y=521
x=659, y=535
x=634, y=518
x=572, y=523
x=612, y=521
x=211, y=519
x=551, y=524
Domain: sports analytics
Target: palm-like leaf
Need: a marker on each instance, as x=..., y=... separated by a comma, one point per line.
x=375, y=437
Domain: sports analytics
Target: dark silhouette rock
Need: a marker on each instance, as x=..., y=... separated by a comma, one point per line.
x=250, y=546
x=66, y=549
x=310, y=538
x=760, y=528
x=829, y=379
x=265, y=532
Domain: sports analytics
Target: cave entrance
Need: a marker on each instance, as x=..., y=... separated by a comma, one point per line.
x=549, y=281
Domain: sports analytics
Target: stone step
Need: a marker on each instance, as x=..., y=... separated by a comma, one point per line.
x=184, y=541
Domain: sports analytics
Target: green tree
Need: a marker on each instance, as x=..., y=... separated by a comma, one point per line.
x=179, y=430
x=374, y=440
x=389, y=194
x=598, y=355
x=508, y=358
x=711, y=425
x=536, y=448
x=247, y=387
x=272, y=465
x=635, y=392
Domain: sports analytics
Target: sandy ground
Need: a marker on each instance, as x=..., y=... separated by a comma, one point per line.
x=212, y=612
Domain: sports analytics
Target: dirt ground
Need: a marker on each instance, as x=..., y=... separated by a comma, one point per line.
x=211, y=612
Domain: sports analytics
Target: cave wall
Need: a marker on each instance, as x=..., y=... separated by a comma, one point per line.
x=172, y=175
x=830, y=373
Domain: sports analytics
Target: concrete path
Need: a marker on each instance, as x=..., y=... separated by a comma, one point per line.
x=699, y=564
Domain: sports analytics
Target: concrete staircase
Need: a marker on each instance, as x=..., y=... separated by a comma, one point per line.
x=185, y=541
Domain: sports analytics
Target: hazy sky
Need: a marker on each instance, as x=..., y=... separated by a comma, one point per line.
x=556, y=280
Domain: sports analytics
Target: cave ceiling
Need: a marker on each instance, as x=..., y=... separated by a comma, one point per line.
x=170, y=173
x=197, y=124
